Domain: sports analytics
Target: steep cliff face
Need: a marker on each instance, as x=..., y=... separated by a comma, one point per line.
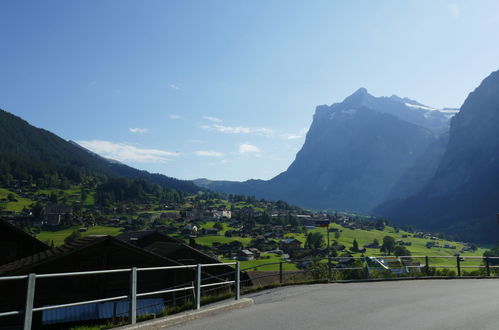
x=355, y=153
x=463, y=195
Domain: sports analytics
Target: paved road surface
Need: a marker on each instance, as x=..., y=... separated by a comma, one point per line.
x=420, y=304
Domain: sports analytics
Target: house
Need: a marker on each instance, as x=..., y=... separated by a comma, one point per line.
x=176, y=251
x=86, y=254
x=255, y=252
x=245, y=255
x=54, y=214
x=16, y=243
x=209, y=231
x=289, y=244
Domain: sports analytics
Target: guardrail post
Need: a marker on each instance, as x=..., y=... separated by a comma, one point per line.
x=132, y=313
x=329, y=270
x=427, y=266
x=238, y=280
x=198, y=287
x=487, y=265
x=30, y=296
x=281, y=280
x=458, y=264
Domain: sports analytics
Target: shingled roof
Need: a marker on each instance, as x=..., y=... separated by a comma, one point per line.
x=7, y=226
x=19, y=266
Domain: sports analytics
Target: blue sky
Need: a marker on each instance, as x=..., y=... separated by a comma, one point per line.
x=227, y=89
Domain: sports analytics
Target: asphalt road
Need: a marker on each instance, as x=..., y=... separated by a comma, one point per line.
x=420, y=304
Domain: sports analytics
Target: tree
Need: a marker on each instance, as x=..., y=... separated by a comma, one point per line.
x=218, y=226
x=337, y=234
x=494, y=252
x=400, y=250
x=388, y=245
x=11, y=197
x=355, y=246
x=314, y=241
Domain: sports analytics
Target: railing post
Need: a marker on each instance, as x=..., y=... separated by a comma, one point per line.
x=281, y=279
x=198, y=287
x=427, y=266
x=238, y=280
x=132, y=313
x=30, y=296
x=487, y=265
x=458, y=264
x=329, y=270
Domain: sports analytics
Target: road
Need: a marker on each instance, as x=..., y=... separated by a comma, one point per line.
x=419, y=304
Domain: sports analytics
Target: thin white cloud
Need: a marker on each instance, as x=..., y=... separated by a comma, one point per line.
x=125, y=152
x=175, y=87
x=175, y=116
x=208, y=153
x=138, y=130
x=246, y=148
x=295, y=136
x=213, y=119
x=223, y=161
x=454, y=10
x=238, y=130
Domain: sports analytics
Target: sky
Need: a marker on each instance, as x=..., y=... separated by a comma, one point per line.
x=226, y=90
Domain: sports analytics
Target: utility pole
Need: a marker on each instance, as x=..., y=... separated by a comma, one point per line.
x=325, y=223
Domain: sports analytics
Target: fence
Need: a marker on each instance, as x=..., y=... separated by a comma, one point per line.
x=305, y=270
x=346, y=268
x=196, y=287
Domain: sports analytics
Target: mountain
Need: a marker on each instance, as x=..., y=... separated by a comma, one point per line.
x=30, y=153
x=354, y=155
x=463, y=195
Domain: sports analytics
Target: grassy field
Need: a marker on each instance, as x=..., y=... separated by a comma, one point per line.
x=363, y=237
x=271, y=259
x=58, y=236
x=18, y=206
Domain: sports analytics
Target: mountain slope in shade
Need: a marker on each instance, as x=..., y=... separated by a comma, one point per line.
x=30, y=152
x=463, y=196
x=354, y=154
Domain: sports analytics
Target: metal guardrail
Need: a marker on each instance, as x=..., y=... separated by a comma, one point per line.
x=131, y=297
x=425, y=267
x=29, y=309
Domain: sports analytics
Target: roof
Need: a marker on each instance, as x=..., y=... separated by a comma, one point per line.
x=10, y=227
x=289, y=240
x=247, y=252
x=169, y=248
x=49, y=255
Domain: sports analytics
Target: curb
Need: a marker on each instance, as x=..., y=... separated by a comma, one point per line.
x=183, y=317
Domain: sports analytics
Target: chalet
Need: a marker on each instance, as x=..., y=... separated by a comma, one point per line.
x=176, y=251
x=289, y=244
x=221, y=213
x=245, y=255
x=89, y=253
x=209, y=231
x=255, y=252
x=16, y=243
x=54, y=214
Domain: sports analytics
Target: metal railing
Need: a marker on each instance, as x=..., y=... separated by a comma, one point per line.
x=29, y=308
x=335, y=265
x=359, y=268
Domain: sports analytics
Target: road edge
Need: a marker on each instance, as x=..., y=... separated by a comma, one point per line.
x=169, y=321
